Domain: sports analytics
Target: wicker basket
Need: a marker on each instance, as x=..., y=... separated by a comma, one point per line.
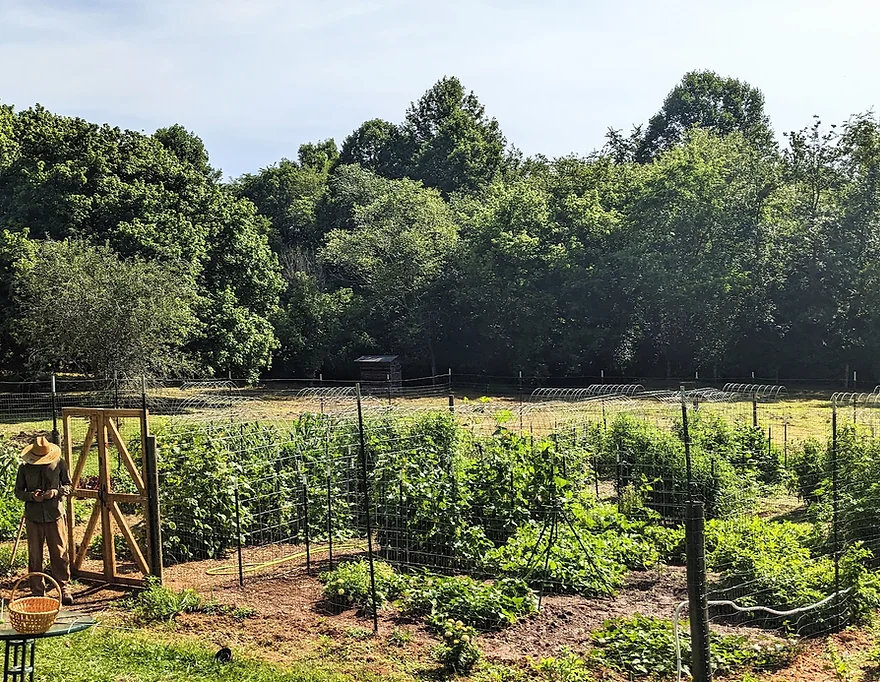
x=33, y=615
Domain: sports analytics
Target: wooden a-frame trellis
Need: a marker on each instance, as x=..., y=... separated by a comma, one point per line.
x=103, y=432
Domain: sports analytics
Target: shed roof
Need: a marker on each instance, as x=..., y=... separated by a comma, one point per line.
x=378, y=359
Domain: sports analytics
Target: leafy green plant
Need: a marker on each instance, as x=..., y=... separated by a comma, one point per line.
x=400, y=637
x=565, y=562
x=158, y=603
x=10, y=508
x=564, y=668
x=650, y=460
x=483, y=606
x=777, y=563
x=459, y=652
x=645, y=646
x=349, y=584
x=120, y=546
x=9, y=564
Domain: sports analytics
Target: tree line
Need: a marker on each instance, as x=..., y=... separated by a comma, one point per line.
x=696, y=242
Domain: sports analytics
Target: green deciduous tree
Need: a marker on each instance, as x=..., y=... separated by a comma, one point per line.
x=451, y=144
x=376, y=146
x=81, y=308
x=396, y=251
x=706, y=100
x=289, y=195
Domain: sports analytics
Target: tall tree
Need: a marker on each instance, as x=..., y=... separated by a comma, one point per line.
x=187, y=147
x=449, y=141
x=393, y=257
x=81, y=308
x=706, y=100
x=289, y=195
x=69, y=179
x=319, y=156
x=376, y=146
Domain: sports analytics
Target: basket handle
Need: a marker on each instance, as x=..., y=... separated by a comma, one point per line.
x=28, y=575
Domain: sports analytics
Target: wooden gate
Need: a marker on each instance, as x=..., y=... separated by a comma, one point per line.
x=93, y=479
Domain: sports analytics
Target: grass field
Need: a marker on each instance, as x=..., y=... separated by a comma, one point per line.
x=795, y=418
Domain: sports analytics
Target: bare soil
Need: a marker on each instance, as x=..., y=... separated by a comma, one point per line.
x=292, y=620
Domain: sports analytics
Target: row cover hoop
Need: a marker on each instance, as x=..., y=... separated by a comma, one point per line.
x=773, y=392
x=579, y=394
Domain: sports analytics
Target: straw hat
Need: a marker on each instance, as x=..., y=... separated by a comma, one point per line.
x=41, y=451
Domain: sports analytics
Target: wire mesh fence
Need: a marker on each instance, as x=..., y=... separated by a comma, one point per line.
x=574, y=491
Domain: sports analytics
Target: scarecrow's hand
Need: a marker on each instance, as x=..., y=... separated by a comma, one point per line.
x=50, y=494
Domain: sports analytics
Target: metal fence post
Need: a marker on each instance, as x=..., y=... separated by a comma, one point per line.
x=238, y=537
x=55, y=435
x=153, y=514
x=687, y=445
x=329, y=497
x=520, y=403
x=698, y=604
x=305, y=499
x=369, y=524
x=835, y=486
x=755, y=411
x=451, y=404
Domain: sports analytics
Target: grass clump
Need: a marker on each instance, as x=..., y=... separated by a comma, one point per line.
x=160, y=603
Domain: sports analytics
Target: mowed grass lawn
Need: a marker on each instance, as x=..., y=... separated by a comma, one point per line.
x=805, y=417
x=120, y=656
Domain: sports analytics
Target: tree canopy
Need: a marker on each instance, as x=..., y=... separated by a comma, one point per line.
x=697, y=242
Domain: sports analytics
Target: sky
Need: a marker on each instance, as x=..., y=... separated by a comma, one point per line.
x=256, y=78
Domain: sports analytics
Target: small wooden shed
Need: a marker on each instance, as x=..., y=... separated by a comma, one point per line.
x=380, y=369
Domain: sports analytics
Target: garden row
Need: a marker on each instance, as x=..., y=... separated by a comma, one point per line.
x=513, y=505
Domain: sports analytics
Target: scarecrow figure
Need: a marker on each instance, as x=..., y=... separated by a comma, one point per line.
x=42, y=483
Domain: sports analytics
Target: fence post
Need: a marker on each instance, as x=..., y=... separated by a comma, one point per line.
x=305, y=498
x=698, y=605
x=755, y=411
x=687, y=444
x=618, y=482
x=55, y=435
x=785, y=443
x=520, y=403
x=451, y=403
x=835, y=485
x=238, y=537
x=153, y=515
x=144, y=424
x=369, y=524
x=329, y=497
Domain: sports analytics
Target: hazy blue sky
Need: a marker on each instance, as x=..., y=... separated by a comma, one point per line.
x=255, y=78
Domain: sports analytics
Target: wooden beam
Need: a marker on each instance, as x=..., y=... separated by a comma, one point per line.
x=109, y=551
x=81, y=411
x=129, y=498
x=117, y=580
x=76, y=474
x=122, y=413
x=109, y=413
x=87, y=538
x=68, y=457
x=130, y=539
